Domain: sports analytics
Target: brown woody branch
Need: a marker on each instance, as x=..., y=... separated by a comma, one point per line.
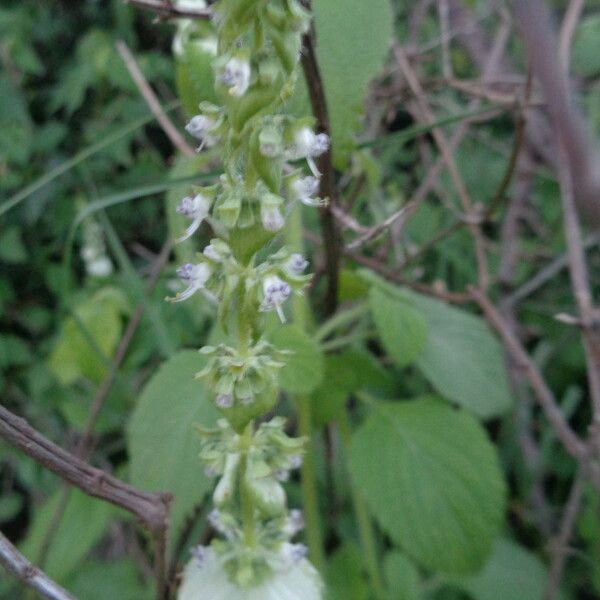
x=151, y=508
x=331, y=235
x=30, y=575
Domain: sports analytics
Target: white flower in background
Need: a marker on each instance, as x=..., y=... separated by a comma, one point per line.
x=100, y=267
x=205, y=578
x=305, y=190
x=201, y=127
x=275, y=293
x=195, y=276
x=308, y=145
x=236, y=76
x=196, y=208
x=93, y=251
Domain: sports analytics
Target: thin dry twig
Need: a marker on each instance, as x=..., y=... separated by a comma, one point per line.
x=150, y=508
x=567, y=31
x=152, y=101
x=588, y=314
x=571, y=442
x=28, y=574
x=446, y=152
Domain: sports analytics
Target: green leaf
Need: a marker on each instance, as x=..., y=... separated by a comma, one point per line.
x=401, y=326
x=461, y=357
x=305, y=367
x=433, y=481
x=89, y=337
x=83, y=523
x=345, y=373
x=511, y=573
x=108, y=581
x=350, y=56
x=163, y=444
x=586, y=47
x=401, y=576
x=344, y=575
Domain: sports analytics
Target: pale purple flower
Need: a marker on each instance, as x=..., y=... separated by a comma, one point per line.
x=196, y=208
x=275, y=293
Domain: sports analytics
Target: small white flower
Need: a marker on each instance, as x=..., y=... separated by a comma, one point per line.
x=275, y=293
x=196, y=208
x=304, y=189
x=299, y=581
x=296, y=264
x=236, y=76
x=308, y=145
x=224, y=401
x=201, y=128
x=195, y=276
x=271, y=218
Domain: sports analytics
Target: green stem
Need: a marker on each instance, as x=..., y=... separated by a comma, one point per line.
x=308, y=484
x=245, y=499
x=310, y=502
x=365, y=527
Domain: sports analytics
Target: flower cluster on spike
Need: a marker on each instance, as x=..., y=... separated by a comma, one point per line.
x=255, y=66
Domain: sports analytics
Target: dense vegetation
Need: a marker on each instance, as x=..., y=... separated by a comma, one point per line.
x=447, y=385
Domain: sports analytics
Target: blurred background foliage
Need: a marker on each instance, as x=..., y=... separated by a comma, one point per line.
x=78, y=242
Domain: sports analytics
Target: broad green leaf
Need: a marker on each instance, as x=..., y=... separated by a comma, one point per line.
x=461, y=357
x=345, y=373
x=90, y=338
x=304, y=368
x=109, y=581
x=401, y=576
x=352, y=45
x=83, y=523
x=163, y=444
x=433, y=481
x=344, y=575
x=401, y=326
x=511, y=573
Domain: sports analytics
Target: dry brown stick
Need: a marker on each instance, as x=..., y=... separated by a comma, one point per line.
x=151, y=508
x=152, y=101
x=28, y=574
x=328, y=189
x=569, y=439
x=168, y=10
x=560, y=548
x=567, y=31
x=541, y=44
x=446, y=152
